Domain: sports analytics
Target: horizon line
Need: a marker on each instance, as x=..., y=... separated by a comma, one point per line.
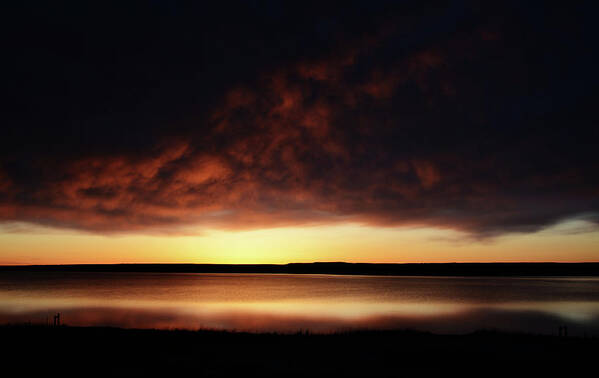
x=304, y=263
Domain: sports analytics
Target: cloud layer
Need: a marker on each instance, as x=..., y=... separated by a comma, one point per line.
x=469, y=117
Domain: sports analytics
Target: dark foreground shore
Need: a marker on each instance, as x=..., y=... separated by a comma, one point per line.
x=110, y=352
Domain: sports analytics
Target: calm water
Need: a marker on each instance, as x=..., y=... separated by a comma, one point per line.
x=288, y=303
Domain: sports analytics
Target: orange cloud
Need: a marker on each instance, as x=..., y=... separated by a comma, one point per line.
x=368, y=133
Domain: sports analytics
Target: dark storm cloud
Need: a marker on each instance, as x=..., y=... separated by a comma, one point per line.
x=136, y=117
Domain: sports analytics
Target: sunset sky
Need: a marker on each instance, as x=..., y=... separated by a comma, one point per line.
x=399, y=131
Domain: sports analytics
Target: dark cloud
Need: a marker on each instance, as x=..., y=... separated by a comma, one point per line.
x=156, y=115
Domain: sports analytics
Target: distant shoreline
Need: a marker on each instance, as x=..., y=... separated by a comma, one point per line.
x=339, y=268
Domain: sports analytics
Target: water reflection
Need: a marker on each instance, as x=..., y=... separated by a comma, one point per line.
x=287, y=303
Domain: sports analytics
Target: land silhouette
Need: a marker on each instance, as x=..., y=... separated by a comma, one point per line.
x=409, y=269
x=113, y=352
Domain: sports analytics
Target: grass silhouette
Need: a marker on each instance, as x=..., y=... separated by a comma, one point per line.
x=98, y=351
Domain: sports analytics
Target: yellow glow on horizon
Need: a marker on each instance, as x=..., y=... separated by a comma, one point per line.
x=343, y=242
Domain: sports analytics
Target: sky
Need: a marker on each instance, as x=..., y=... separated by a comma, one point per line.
x=275, y=132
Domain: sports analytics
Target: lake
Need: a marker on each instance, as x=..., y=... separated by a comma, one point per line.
x=289, y=303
